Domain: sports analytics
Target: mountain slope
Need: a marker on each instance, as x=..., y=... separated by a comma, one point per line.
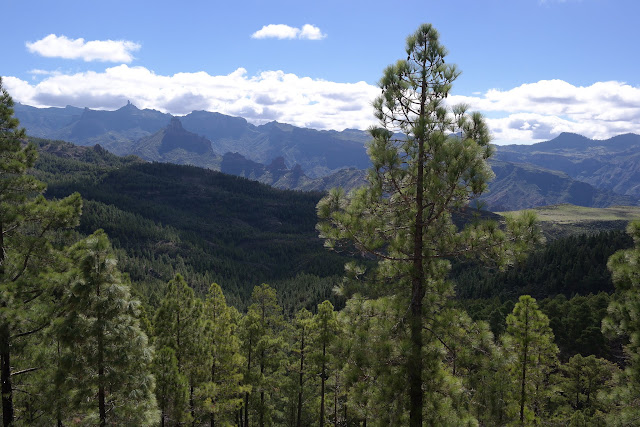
x=174, y=144
x=209, y=226
x=612, y=164
x=523, y=186
x=319, y=153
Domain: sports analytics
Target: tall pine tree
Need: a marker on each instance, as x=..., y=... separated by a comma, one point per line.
x=623, y=320
x=108, y=363
x=179, y=325
x=222, y=393
x=27, y=225
x=529, y=341
x=429, y=161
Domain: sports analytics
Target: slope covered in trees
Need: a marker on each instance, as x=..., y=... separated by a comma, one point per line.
x=77, y=348
x=209, y=226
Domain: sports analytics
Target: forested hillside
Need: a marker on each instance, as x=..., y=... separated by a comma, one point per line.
x=206, y=225
x=136, y=293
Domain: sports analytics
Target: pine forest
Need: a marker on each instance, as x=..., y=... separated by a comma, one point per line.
x=136, y=293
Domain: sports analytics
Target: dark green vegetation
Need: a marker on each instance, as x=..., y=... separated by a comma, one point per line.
x=209, y=226
x=77, y=348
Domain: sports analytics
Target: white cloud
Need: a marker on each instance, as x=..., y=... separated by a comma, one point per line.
x=53, y=46
x=528, y=113
x=270, y=95
x=548, y=107
x=311, y=33
x=281, y=31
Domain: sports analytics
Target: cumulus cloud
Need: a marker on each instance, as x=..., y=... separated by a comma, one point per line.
x=270, y=95
x=282, y=31
x=311, y=33
x=528, y=113
x=538, y=111
x=53, y=46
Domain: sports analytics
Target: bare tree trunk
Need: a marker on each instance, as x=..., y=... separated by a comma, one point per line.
x=301, y=381
x=523, y=380
x=415, y=364
x=323, y=378
x=5, y=374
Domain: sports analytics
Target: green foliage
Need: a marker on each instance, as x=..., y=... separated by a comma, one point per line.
x=179, y=325
x=172, y=388
x=325, y=328
x=210, y=227
x=624, y=321
x=300, y=382
x=222, y=392
x=28, y=227
x=574, y=265
x=429, y=161
x=261, y=346
x=106, y=354
x=580, y=385
x=533, y=355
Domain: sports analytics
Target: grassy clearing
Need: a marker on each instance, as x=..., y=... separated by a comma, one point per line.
x=570, y=214
x=565, y=219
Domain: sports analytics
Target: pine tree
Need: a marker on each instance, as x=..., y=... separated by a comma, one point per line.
x=325, y=333
x=580, y=381
x=108, y=362
x=623, y=320
x=300, y=344
x=529, y=341
x=262, y=344
x=221, y=394
x=429, y=161
x=179, y=325
x=27, y=224
x=172, y=388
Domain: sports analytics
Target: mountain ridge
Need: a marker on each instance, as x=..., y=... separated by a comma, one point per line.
x=567, y=169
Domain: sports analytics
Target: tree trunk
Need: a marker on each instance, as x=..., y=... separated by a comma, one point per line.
x=524, y=365
x=5, y=374
x=101, y=394
x=335, y=402
x=191, y=404
x=415, y=364
x=213, y=379
x=323, y=378
x=301, y=382
x=5, y=351
x=261, y=418
x=246, y=394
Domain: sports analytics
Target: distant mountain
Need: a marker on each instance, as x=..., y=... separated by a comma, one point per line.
x=568, y=169
x=174, y=144
x=43, y=122
x=612, y=164
x=319, y=153
x=524, y=186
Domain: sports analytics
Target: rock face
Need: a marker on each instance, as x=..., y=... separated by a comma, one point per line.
x=176, y=137
x=174, y=144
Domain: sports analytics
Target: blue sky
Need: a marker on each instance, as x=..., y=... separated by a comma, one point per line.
x=534, y=67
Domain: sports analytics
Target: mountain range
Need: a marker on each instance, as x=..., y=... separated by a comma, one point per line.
x=319, y=153
x=612, y=164
x=568, y=169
